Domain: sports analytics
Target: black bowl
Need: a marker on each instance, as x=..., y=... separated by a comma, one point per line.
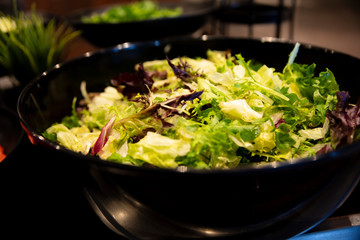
x=273, y=200
x=194, y=16
x=10, y=131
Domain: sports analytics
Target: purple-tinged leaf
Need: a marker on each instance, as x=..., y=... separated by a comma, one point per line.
x=168, y=108
x=182, y=71
x=103, y=137
x=325, y=149
x=138, y=82
x=343, y=120
x=279, y=122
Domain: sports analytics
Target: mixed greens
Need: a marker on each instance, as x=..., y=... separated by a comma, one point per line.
x=135, y=11
x=219, y=112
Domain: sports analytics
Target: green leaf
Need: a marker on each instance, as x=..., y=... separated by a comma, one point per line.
x=263, y=88
x=283, y=140
x=249, y=133
x=293, y=54
x=73, y=120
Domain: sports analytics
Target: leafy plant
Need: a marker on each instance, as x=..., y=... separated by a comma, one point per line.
x=29, y=46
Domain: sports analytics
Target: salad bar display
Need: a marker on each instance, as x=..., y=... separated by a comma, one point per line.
x=168, y=133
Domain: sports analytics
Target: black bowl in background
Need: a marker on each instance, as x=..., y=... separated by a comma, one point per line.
x=274, y=200
x=194, y=16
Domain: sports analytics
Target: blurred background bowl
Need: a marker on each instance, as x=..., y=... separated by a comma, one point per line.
x=275, y=200
x=193, y=17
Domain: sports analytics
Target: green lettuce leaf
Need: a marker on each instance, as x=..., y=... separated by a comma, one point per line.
x=159, y=150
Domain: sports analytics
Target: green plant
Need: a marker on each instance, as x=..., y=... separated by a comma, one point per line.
x=30, y=46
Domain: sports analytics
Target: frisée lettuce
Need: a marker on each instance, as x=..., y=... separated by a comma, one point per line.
x=219, y=112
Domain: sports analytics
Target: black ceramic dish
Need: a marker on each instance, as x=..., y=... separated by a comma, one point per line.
x=275, y=200
x=194, y=16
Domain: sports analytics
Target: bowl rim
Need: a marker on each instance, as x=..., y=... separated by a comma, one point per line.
x=37, y=138
x=11, y=113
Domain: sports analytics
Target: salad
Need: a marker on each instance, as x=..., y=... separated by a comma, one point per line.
x=219, y=112
x=135, y=11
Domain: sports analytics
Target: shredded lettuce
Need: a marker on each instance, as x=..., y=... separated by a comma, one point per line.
x=219, y=112
x=240, y=109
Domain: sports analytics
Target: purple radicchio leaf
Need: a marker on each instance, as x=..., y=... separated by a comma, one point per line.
x=343, y=120
x=182, y=70
x=168, y=108
x=281, y=120
x=325, y=149
x=103, y=137
x=138, y=82
x=173, y=103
